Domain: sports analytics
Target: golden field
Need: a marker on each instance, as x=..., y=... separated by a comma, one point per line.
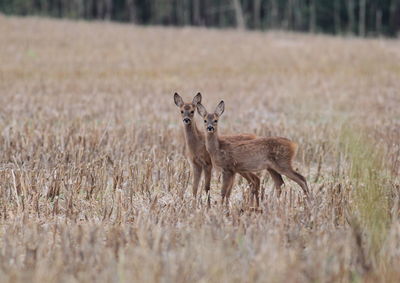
x=95, y=186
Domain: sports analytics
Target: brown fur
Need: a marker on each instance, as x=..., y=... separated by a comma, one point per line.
x=273, y=153
x=196, y=149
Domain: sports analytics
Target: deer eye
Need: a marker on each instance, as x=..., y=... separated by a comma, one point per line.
x=205, y=121
x=215, y=121
x=182, y=111
x=191, y=112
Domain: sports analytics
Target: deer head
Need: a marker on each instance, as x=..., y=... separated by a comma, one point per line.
x=187, y=109
x=211, y=119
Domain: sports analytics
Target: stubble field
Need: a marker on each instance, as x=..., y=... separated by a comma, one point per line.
x=95, y=186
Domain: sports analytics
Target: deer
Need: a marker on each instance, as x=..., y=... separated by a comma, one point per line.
x=196, y=148
x=275, y=154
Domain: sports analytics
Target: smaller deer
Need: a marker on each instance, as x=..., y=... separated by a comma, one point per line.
x=196, y=148
x=274, y=154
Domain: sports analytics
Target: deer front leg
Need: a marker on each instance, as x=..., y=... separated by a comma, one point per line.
x=207, y=182
x=196, y=178
x=227, y=183
x=251, y=184
x=255, y=189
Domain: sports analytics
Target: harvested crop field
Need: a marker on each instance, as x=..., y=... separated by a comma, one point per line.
x=95, y=186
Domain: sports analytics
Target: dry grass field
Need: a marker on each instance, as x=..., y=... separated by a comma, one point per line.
x=95, y=186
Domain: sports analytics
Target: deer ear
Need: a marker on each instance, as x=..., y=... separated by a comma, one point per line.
x=201, y=109
x=197, y=99
x=178, y=100
x=220, y=108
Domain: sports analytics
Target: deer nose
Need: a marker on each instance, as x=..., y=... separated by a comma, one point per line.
x=186, y=120
x=210, y=128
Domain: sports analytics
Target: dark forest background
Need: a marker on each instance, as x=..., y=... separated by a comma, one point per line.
x=357, y=17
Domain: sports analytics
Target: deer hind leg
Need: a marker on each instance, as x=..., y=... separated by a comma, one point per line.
x=305, y=188
x=207, y=181
x=278, y=181
x=298, y=178
x=196, y=178
x=227, y=183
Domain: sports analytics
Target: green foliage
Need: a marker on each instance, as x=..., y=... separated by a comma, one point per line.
x=370, y=181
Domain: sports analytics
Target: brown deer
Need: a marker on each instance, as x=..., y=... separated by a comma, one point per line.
x=274, y=154
x=196, y=148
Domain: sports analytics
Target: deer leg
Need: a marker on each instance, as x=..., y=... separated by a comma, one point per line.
x=255, y=182
x=278, y=181
x=227, y=181
x=196, y=178
x=299, y=179
x=305, y=186
x=256, y=188
x=229, y=191
x=250, y=180
x=207, y=181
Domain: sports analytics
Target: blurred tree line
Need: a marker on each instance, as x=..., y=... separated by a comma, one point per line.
x=359, y=17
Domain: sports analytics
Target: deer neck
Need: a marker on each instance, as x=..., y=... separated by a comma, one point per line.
x=212, y=143
x=192, y=136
